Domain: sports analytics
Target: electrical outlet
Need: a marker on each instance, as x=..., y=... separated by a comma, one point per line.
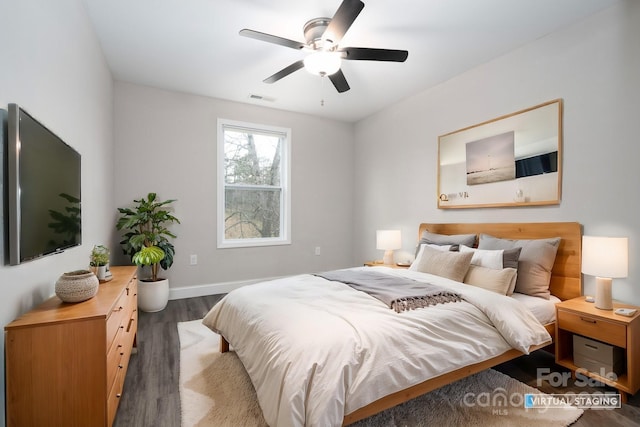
x=317, y=250
x=193, y=259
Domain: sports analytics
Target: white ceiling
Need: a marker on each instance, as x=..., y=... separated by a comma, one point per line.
x=193, y=46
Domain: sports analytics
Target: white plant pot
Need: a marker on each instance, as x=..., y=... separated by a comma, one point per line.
x=101, y=272
x=153, y=296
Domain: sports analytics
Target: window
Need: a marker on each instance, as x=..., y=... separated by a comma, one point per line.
x=253, y=185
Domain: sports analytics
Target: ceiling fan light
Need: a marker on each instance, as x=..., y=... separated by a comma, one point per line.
x=323, y=63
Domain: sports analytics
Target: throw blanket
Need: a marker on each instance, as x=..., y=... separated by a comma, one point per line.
x=398, y=293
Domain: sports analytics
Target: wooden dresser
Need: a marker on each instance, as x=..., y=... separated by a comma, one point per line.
x=66, y=363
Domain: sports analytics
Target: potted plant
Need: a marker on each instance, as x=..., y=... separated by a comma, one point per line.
x=147, y=243
x=99, y=259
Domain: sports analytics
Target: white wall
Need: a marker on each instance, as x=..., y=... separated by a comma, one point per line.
x=166, y=143
x=593, y=66
x=52, y=66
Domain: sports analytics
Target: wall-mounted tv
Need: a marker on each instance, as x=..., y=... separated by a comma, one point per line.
x=43, y=186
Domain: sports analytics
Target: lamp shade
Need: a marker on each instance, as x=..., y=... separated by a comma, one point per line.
x=322, y=63
x=388, y=239
x=605, y=256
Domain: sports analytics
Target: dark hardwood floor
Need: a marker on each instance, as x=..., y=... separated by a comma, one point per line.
x=151, y=396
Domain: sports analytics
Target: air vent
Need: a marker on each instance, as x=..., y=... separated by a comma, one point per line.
x=261, y=98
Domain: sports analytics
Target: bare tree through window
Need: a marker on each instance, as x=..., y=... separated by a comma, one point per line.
x=252, y=183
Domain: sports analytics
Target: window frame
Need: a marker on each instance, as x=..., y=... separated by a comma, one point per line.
x=285, y=185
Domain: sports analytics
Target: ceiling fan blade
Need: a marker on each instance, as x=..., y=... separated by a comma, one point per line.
x=369, y=54
x=342, y=20
x=339, y=81
x=272, y=39
x=284, y=72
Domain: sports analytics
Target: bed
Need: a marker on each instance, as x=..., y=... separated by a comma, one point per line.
x=321, y=353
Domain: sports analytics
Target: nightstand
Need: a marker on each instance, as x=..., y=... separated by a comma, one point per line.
x=380, y=264
x=612, y=334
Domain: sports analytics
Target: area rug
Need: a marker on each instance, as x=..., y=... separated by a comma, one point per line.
x=216, y=391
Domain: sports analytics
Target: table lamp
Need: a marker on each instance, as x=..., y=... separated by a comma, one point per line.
x=388, y=240
x=605, y=258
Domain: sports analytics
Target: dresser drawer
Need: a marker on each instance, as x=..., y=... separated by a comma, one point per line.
x=131, y=316
x=132, y=288
x=116, y=318
x=114, y=358
x=602, y=330
x=117, y=388
x=130, y=330
x=114, y=396
x=131, y=311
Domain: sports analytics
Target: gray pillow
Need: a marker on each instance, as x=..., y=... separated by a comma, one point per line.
x=444, y=239
x=535, y=263
x=510, y=258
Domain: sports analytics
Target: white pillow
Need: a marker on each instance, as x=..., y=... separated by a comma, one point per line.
x=444, y=248
x=485, y=257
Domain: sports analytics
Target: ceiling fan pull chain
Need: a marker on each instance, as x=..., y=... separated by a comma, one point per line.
x=322, y=91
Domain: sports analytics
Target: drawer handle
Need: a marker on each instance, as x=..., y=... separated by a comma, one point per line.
x=587, y=320
x=118, y=395
x=118, y=309
x=591, y=346
x=129, y=326
x=120, y=366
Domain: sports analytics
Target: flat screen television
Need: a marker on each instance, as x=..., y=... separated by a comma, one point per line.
x=43, y=186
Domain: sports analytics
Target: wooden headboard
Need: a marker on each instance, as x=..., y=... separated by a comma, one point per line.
x=566, y=279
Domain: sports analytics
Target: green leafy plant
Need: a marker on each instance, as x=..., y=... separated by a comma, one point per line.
x=146, y=240
x=99, y=256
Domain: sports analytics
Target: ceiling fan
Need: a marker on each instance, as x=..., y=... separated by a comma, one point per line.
x=323, y=36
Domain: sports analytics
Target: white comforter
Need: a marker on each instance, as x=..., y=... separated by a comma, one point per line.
x=316, y=350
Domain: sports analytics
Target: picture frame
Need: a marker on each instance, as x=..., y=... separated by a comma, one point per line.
x=512, y=160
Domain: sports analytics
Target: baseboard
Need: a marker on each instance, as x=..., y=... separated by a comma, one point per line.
x=211, y=288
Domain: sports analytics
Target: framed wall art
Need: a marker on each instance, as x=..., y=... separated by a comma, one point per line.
x=513, y=160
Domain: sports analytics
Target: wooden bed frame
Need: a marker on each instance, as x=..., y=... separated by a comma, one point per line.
x=566, y=283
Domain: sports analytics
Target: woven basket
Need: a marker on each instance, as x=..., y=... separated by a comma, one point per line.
x=77, y=286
